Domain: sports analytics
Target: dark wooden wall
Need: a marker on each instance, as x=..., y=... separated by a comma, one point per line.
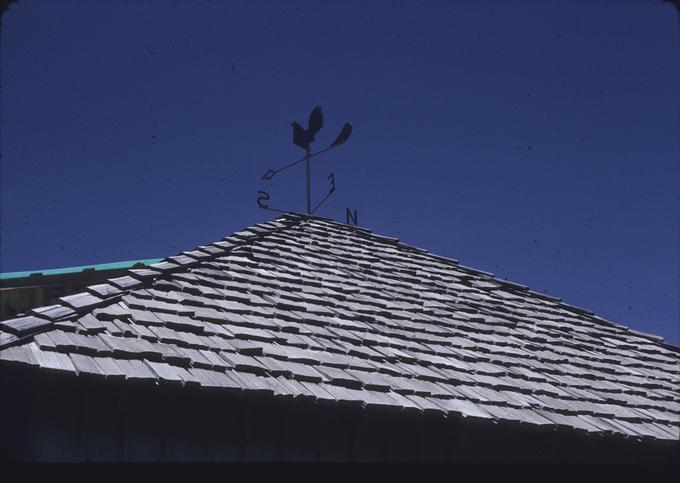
x=50, y=417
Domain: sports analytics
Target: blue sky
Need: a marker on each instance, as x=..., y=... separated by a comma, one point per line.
x=535, y=140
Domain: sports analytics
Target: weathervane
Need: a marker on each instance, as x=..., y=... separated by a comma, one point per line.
x=303, y=138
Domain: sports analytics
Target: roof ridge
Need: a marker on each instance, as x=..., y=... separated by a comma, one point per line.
x=102, y=294
x=110, y=291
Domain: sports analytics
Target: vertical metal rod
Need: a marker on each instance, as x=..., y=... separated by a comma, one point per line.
x=309, y=195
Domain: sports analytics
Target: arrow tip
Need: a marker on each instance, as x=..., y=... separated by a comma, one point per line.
x=269, y=174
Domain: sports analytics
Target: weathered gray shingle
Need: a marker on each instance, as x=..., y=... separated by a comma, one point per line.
x=310, y=308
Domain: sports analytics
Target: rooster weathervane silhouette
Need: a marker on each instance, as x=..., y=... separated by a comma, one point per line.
x=303, y=138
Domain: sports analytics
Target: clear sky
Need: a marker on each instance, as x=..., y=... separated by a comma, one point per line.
x=536, y=140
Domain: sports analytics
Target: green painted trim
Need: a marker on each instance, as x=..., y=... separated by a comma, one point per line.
x=61, y=271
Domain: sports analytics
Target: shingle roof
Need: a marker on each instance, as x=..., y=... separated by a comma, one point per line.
x=312, y=308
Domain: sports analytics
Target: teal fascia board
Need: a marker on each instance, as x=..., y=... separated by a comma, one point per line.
x=61, y=271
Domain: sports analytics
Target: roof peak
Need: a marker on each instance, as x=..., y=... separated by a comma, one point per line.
x=136, y=278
